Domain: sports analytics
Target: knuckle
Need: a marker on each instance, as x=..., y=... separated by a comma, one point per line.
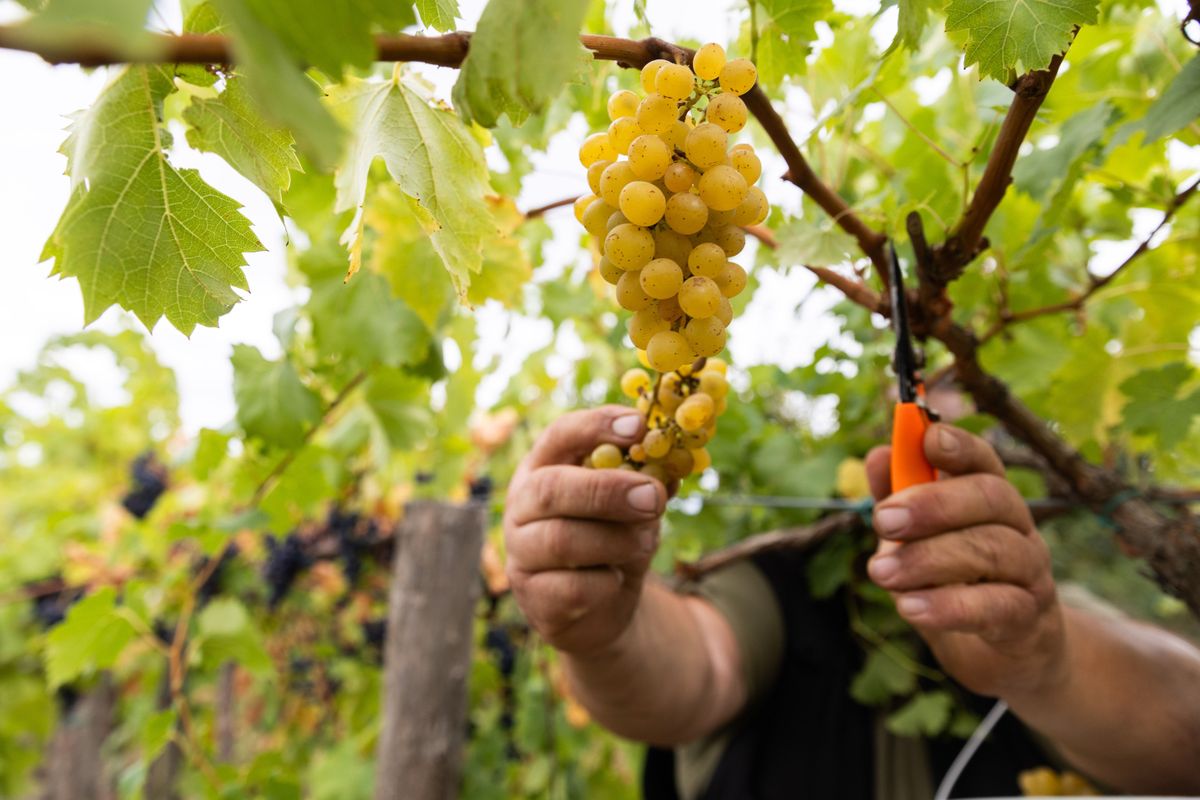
x=548, y=485
x=996, y=493
x=556, y=542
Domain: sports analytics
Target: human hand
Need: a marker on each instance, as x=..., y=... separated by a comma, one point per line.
x=968, y=569
x=580, y=540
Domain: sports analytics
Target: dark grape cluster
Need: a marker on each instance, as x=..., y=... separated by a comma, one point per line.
x=356, y=535
x=481, y=488
x=285, y=562
x=51, y=608
x=149, y=482
x=212, y=584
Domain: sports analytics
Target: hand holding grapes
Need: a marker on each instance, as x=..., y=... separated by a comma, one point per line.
x=580, y=541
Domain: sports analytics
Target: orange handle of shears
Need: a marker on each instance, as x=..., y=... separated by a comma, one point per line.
x=909, y=466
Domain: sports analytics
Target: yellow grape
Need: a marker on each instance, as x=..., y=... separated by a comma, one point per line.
x=722, y=188
x=615, y=219
x=730, y=238
x=581, y=205
x=674, y=81
x=607, y=456
x=738, y=76
x=686, y=213
x=712, y=383
x=609, y=271
x=650, y=73
x=672, y=245
x=678, y=463
x=629, y=247
x=701, y=460
x=698, y=438
x=641, y=357
x=656, y=471
x=637, y=453
x=708, y=61
x=669, y=309
x=724, y=311
x=642, y=203
x=705, y=336
x=634, y=383
x=699, y=297
x=679, y=177
x=595, y=218
x=644, y=324
x=705, y=146
x=629, y=293
x=685, y=370
x=668, y=350
x=649, y=157
x=656, y=114
x=622, y=103
x=746, y=162
x=613, y=180
x=732, y=279
x=716, y=365
x=677, y=136
x=594, y=172
x=727, y=112
x=695, y=412
x=670, y=392
x=661, y=278
x=596, y=147
x=657, y=443
x=754, y=208
x=622, y=132
x=707, y=259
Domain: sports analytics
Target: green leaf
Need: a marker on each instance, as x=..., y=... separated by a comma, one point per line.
x=1037, y=173
x=1155, y=405
x=226, y=632
x=522, y=54
x=279, y=85
x=787, y=29
x=404, y=255
x=927, y=714
x=1021, y=35
x=273, y=404
x=120, y=22
x=881, y=677
x=438, y=14
x=400, y=403
x=431, y=155
x=361, y=323
x=137, y=232
x=230, y=126
x=90, y=638
x=155, y=733
x=1178, y=105
x=914, y=16
x=211, y=448
x=819, y=243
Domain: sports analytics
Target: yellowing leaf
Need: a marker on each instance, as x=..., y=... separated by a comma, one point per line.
x=432, y=157
x=137, y=232
x=1022, y=35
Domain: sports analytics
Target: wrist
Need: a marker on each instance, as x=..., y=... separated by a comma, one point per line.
x=1048, y=682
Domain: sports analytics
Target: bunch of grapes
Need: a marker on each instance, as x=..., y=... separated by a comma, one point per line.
x=671, y=214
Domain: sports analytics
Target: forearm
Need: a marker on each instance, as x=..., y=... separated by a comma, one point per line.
x=671, y=677
x=1125, y=708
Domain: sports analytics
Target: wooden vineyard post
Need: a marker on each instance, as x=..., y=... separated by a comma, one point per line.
x=427, y=652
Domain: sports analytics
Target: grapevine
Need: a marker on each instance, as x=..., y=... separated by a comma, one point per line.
x=670, y=199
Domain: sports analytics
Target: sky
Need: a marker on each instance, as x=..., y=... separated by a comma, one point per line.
x=37, y=99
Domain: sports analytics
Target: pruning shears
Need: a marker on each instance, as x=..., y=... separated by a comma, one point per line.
x=912, y=416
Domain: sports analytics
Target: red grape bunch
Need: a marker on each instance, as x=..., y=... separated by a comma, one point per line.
x=670, y=201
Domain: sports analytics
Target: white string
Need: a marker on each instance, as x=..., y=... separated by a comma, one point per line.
x=968, y=752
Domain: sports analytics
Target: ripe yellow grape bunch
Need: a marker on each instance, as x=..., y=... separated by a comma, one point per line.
x=670, y=201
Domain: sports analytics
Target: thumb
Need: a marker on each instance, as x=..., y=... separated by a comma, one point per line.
x=572, y=436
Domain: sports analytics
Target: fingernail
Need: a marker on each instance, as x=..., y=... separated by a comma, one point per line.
x=912, y=606
x=947, y=439
x=891, y=521
x=627, y=425
x=883, y=567
x=644, y=497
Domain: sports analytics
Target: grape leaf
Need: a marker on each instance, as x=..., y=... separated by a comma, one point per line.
x=90, y=638
x=431, y=155
x=226, y=633
x=138, y=232
x=155, y=732
x=272, y=403
x=279, y=85
x=910, y=26
x=522, y=54
x=1037, y=173
x=400, y=404
x=121, y=22
x=1022, y=35
x=404, y=255
x=819, y=243
x=230, y=126
x=438, y=14
x=360, y=322
x=881, y=677
x=786, y=30
x=1178, y=105
x=1156, y=404
x=927, y=714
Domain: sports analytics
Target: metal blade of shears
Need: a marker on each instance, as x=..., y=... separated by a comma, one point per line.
x=904, y=360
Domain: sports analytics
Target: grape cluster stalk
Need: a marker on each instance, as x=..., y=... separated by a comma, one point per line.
x=670, y=199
